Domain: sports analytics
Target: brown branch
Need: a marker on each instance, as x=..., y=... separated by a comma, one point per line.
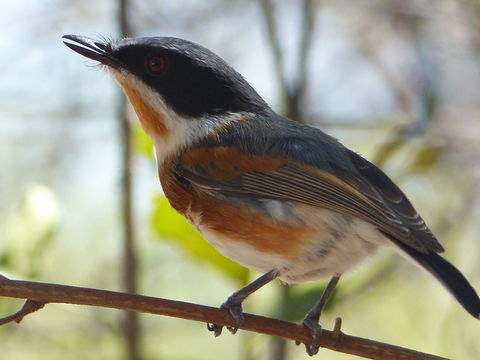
x=28, y=307
x=336, y=340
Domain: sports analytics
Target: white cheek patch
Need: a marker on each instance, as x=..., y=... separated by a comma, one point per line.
x=170, y=132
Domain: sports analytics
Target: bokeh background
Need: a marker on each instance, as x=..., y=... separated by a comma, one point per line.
x=80, y=203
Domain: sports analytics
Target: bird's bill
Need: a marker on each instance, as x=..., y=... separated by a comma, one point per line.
x=90, y=48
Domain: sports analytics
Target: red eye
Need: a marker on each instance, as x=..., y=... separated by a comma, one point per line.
x=156, y=64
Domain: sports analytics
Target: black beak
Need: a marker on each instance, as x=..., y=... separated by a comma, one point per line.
x=91, y=48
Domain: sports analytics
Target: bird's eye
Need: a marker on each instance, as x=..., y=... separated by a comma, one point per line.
x=156, y=64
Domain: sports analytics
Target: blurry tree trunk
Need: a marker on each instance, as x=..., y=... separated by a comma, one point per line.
x=130, y=323
x=293, y=91
x=278, y=346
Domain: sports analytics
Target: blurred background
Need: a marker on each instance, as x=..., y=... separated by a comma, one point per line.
x=80, y=202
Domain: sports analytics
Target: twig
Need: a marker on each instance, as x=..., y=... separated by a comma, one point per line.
x=52, y=293
x=28, y=307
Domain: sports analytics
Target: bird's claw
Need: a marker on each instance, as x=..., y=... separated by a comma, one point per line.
x=236, y=311
x=316, y=331
x=215, y=328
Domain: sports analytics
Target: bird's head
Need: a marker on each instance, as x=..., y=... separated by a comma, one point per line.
x=180, y=90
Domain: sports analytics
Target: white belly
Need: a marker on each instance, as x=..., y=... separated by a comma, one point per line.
x=348, y=242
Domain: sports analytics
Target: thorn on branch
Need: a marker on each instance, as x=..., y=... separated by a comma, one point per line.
x=337, y=332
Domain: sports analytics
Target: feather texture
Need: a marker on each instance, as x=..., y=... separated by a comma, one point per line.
x=312, y=169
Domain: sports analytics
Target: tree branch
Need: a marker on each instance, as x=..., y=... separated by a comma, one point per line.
x=28, y=307
x=334, y=340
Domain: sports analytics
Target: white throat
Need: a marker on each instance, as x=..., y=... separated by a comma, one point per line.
x=169, y=131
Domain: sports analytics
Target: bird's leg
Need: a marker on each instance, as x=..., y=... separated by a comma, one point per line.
x=234, y=302
x=313, y=317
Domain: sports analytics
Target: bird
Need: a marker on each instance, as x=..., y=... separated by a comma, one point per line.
x=275, y=195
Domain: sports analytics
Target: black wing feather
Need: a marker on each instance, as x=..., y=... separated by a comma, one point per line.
x=448, y=275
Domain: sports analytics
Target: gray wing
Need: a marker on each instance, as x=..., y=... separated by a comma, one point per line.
x=312, y=169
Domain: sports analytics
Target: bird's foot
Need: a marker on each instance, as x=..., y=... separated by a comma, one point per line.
x=235, y=309
x=316, y=330
x=234, y=302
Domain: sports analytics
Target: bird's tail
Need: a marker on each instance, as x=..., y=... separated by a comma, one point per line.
x=448, y=275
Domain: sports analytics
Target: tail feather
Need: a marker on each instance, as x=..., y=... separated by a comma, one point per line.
x=448, y=275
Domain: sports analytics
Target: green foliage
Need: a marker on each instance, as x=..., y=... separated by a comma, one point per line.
x=141, y=142
x=30, y=229
x=387, y=150
x=172, y=227
x=297, y=300
x=425, y=158
x=422, y=154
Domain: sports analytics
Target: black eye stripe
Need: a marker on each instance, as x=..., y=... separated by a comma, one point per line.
x=191, y=80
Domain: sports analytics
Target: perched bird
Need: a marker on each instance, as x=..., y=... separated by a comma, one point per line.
x=274, y=195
